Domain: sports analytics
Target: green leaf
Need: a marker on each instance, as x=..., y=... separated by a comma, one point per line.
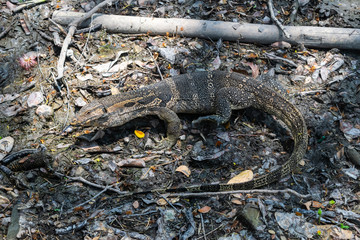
x=342, y=226
x=319, y=211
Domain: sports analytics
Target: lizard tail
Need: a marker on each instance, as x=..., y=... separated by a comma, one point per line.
x=277, y=105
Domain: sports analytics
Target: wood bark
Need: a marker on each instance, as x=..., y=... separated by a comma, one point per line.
x=315, y=37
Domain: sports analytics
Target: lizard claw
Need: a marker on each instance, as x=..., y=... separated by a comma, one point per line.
x=164, y=143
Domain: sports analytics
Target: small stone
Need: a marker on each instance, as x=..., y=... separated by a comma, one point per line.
x=45, y=111
x=80, y=102
x=272, y=232
x=252, y=216
x=35, y=99
x=302, y=162
x=79, y=171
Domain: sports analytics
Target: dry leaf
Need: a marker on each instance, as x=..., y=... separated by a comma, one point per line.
x=205, y=209
x=184, y=169
x=114, y=90
x=161, y=202
x=236, y=201
x=244, y=176
x=307, y=205
x=316, y=204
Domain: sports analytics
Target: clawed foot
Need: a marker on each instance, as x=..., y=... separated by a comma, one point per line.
x=165, y=143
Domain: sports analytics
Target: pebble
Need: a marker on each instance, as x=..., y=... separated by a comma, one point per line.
x=45, y=111
x=35, y=99
x=80, y=102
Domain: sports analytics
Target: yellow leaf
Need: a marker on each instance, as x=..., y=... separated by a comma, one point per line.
x=184, y=169
x=139, y=133
x=244, y=176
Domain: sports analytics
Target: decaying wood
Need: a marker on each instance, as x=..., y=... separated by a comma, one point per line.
x=317, y=37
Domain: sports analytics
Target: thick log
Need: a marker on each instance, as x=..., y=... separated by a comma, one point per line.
x=315, y=37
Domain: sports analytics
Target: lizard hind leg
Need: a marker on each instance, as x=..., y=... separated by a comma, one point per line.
x=228, y=99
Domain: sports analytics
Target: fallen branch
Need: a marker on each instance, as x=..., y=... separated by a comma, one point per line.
x=318, y=37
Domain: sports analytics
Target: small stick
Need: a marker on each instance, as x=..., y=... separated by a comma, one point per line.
x=276, y=21
x=3, y=33
x=27, y=5
x=67, y=40
x=274, y=57
x=157, y=66
x=202, y=224
x=89, y=29
x=97, y=195
x=312, y=92
x=293, y=14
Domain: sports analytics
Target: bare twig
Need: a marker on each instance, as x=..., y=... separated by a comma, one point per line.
x=294, y=12
x=89, y=29
x=67, y=41
x=157, y=66
x=274, y=57
x=266, y=191
x=311, y=92
x=80, y=179
x=214, y=230
x=3, y=33
x=27, y=5
x=97, y=195
x=202, y=224
x=58, y=26
x=44, y=35
x=275, y=20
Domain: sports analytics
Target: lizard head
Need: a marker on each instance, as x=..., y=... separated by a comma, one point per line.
x=89, y=115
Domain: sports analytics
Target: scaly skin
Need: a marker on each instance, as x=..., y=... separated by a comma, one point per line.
x=216, y=93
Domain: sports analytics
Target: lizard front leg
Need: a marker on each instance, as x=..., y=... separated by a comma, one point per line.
x=226, y=100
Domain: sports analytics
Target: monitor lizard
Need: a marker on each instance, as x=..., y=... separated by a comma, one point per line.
x=216, y=93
